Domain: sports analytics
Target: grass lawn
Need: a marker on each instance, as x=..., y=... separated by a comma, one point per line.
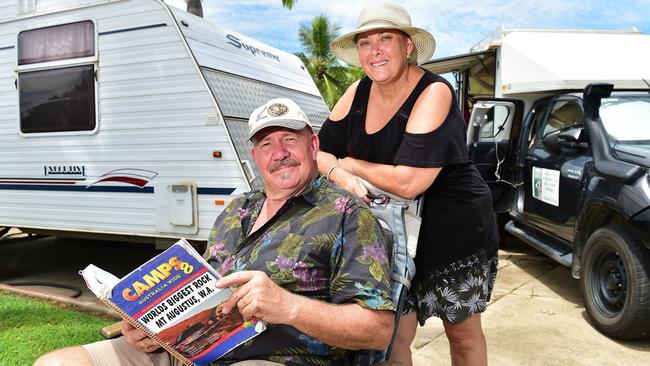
x=30, y=328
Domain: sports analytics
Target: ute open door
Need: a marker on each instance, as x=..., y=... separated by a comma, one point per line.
x=492, y=133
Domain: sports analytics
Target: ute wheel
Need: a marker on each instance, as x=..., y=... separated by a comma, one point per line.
x=614, y=283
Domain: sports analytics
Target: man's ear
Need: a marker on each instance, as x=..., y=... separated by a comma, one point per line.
x=315, y=144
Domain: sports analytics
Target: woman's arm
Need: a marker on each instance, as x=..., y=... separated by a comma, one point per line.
x=327, y=162
x=429, y=112
x=337, y=174
x=401, y=180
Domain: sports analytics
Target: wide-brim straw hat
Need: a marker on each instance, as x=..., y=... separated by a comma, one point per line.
x=385, y=16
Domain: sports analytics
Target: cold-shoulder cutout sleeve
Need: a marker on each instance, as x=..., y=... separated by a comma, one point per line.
x=435, y=149
x=333, y=137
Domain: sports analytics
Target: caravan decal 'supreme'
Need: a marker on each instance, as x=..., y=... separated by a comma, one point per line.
x=254, y=50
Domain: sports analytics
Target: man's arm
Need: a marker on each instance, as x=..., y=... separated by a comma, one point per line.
x=348, y=326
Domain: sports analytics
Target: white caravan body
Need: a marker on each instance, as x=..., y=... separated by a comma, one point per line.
x=528, y=64
x=126, y=119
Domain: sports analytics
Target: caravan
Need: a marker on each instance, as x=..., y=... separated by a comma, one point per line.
x=125, y=119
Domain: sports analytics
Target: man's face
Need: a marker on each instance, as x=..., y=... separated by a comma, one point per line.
x=286, y=158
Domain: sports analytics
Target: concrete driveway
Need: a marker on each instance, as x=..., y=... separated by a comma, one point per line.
x=535, y=317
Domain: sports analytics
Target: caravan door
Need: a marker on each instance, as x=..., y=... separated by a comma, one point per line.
x=491, y=135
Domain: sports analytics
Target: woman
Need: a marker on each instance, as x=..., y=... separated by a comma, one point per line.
x=400, y=129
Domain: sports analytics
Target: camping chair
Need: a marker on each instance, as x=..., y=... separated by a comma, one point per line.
x=393, y=214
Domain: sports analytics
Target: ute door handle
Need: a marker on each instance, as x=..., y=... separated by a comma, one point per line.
x=531, y=158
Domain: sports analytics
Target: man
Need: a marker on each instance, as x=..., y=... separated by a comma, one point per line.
x=306, y=257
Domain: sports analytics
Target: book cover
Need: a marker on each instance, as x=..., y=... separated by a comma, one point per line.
x=173, y=299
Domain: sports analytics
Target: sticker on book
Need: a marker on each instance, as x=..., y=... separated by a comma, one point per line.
x=546, y=185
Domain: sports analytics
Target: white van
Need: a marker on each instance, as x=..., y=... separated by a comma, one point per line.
x=126, y=119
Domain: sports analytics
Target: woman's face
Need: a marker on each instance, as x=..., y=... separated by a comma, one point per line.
x=383, y=53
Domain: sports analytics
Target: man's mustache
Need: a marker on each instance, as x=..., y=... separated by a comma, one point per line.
x=281, y=163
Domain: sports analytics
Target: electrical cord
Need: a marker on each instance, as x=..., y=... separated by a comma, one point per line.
x=498, y=167
x=16, y=237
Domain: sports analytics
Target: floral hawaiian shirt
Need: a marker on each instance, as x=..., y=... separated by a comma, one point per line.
x=324, y=244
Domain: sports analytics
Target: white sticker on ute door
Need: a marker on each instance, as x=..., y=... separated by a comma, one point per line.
x=546, y=185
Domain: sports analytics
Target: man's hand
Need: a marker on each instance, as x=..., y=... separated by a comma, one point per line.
x=138, y=338
x=259, y=297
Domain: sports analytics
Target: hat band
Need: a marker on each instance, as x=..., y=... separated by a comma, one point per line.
x=379, y=24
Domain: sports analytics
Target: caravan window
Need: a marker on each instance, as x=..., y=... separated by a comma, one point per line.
x=57, y=100
x=56, y=78
x=56, y=43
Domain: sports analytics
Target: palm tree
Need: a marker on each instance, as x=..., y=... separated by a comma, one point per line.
x=331, y=78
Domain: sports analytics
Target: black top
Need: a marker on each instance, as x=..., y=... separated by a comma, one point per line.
x=457, y=213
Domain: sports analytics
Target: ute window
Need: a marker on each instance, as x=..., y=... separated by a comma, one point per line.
x=626, y=119
x=565, y=114
x=56, y=78
x=492, y=122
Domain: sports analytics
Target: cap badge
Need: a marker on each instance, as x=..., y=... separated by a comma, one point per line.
x=277, y=110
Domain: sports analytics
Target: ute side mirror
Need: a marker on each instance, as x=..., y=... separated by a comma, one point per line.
x=572, y=135
x=572, y=138
x=552, y=142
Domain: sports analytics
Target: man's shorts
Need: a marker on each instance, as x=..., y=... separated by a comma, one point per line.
x=117, y=352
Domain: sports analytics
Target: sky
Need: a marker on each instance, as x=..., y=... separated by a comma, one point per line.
x=456, y=25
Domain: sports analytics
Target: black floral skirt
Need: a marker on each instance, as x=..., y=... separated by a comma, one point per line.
x=455, y=291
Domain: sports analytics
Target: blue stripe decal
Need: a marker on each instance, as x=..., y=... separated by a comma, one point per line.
x=42, y=187
x=6, y=48
x=223, y=191
x=133, y=29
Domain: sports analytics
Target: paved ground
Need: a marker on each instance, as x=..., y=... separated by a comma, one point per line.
x=536, y=316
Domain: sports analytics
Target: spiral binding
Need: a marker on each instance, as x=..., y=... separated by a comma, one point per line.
x=169, y=348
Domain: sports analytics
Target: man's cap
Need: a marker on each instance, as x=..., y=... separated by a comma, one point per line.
x=279, y=112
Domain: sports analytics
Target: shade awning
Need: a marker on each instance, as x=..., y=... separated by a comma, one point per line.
x=455, y=63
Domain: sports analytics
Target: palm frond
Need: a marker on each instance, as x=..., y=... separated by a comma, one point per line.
x=330, y=77
x=288, y=3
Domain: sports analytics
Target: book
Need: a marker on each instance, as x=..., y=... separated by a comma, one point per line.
x=174, y=300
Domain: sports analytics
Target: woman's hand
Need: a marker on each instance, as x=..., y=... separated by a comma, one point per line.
x=348, y=163
x=349, y=182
